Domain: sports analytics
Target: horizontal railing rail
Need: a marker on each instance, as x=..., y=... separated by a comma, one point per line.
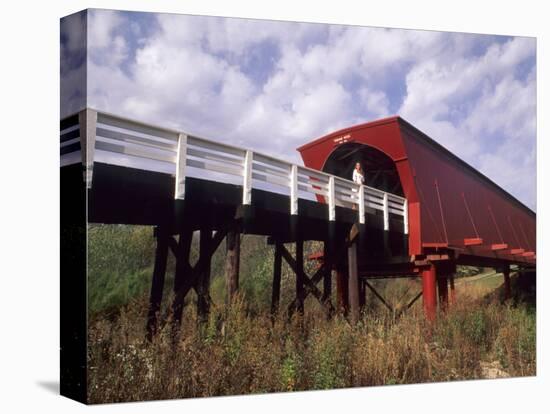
x=135, y=144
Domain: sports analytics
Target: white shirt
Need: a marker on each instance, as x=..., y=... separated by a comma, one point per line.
x=358, y=178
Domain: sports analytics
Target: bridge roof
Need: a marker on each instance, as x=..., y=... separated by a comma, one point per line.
x=405, y=124
x=455, y=201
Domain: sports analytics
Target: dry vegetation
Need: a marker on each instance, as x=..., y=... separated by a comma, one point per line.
x=240, y=350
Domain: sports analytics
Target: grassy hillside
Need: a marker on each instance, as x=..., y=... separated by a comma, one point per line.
x=240, y=350
x=121, y=260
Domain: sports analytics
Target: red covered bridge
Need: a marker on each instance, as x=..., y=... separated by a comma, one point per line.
x=421, y=211
x=456, y=215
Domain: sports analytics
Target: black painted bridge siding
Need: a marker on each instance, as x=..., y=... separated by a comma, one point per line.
x=121, y=195
x=73, y=284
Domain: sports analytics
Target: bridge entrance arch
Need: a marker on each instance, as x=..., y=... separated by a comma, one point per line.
x=380, y=170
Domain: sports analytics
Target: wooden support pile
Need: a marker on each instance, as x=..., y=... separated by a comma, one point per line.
x=188, y=277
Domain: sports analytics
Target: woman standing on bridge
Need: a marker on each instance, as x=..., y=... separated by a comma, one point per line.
x=358, y=177
x=358, y=174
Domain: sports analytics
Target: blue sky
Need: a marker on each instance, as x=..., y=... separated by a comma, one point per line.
x=273, y=86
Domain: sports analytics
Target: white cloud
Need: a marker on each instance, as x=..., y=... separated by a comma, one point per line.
x=475, y=107
x=101, y=24
x=192, y=74
x=374, y=102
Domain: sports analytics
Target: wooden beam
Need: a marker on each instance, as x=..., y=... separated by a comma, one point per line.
x=353, y=233
x=327, y=276
x=436, y=257
x=300, y=294
x=183, y=272
x=203, y=282
x=173, y=245
x=443, y=291
x=157, y=284
x=412, y=302
x=362, y=293
x=310, y=284
x=516, y=251
x=507, y=283
x=353, y=284
x=452, y=293
x=342, y=302
x=276, y=290
x=316, y=278
x=466, y=242
x=187, y=276
x=379, y=296
x=435, y=245
x=232, y=264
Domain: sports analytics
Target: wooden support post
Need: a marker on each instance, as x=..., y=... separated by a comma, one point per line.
x=183, y=270
x=187, y=276
x=232, y=264
x=310, y=284
x=353, y=283
x=507, y=284
x=429, y=292
x=443, y=292
x=300, y=291
x=276, y=290
x=362, y=294
x=327, y=276
x=342, y=302
x=452, y=288
x=157, y=284
x=203, y=283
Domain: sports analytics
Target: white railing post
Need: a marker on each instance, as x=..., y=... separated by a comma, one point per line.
x=87, y=120
x=361, y=196
x=331, y=199
x=181, y=157
x=405, y=217
x=294, y=190
x=247, y=177
x=386, y=212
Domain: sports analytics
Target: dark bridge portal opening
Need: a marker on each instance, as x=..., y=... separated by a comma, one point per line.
x=380, y=170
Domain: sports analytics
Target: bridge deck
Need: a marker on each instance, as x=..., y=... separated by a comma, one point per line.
x=135, y=173
x=122, y=195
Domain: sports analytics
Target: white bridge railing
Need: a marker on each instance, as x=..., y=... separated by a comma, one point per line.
x=100, y=136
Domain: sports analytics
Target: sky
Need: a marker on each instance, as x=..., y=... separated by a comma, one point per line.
x=272, y=86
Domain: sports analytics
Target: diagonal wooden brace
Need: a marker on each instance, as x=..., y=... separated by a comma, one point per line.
x=412, y=302
x=193, y=273
x=310, y=283
x=379, y=296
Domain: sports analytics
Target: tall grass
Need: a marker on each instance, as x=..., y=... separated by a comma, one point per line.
x=237, y=353
x=242, y=350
